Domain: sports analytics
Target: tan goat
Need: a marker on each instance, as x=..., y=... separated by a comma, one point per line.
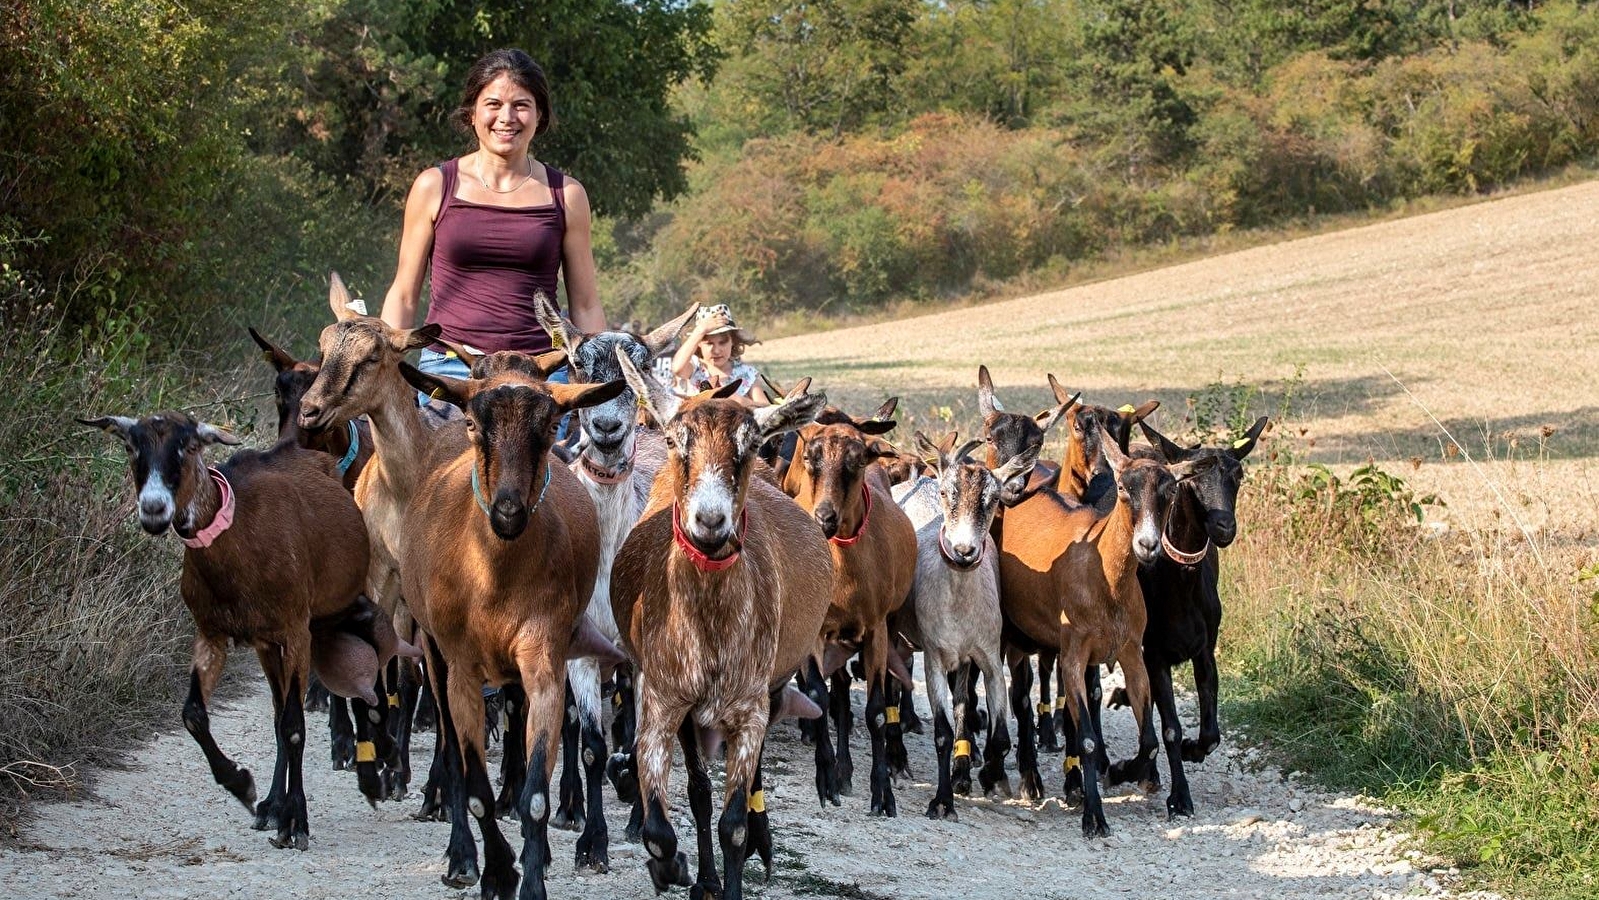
x=498, y=557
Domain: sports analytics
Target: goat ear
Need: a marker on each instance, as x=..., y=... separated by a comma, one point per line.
x=877, y=448
x=211, y=434
x=462, y=353
x=563, y=334
x=796, y=410
x=665, y=339
x=439, y=387
x=550, y=361
x=1144, y=410
x=117, y=425
x=966, y=449
x=730, y=389
x=926, y=447
x=876, y=426
x=1047, y=419
x=660, y=403
x=1170, y=453
x=1241, y=448
x=1021, y=462
x=273, y=354
x=1113, y=453
x=339, y=299
x=417, y=338
x=798, y=390
x=583, y=396
x=885, y=412
x=987, y=403
x=773, y=388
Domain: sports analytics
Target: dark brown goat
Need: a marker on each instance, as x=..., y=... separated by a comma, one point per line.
x=834, y=477
x=499, y=551
x=349, y=442
x=276, y=558
x=719, y=592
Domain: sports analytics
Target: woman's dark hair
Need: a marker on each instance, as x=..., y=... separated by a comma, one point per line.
x=523, y=70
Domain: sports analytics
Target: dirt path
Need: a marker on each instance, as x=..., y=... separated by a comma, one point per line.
x=161, y=828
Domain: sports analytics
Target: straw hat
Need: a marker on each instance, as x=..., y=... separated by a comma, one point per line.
x=721, y=309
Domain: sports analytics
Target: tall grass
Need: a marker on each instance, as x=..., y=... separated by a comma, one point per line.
x=1455, y=674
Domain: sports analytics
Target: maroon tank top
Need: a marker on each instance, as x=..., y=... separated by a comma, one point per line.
x=488, y=262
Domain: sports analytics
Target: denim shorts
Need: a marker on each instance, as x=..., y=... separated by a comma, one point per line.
x=436, y=363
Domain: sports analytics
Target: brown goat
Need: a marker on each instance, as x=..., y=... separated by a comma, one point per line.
x=350, y=442
x=499, y=551
x=276, y=558
x=1069, y=582
x=834, y=477
x=719, y=592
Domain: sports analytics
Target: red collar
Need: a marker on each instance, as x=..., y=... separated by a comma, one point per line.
x=865, y=518
x=220, y=521
x=700, y=560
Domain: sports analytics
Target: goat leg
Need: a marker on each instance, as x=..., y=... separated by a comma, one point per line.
x=341, y=734
x=746, y=737
x=760, y=826
x=293, y=829
x=1096, y=709
x=961, y=726
x=894, y=735
x=843, y=722
x=268, y=813
x=826, y=762
x=624, y=727
x=569, y=814
x=513, y=757
x=593, y=845
x=317, y=696
x=876, y=726
x=942, y=806
x=462, y=867
x=1179, y=802
x=1021, y=687
x=1085, y=742
x=667, y=865
x=1046, y=715
x=464, y=691
x=1205, y=683
x=992, y=774
x=708, y=884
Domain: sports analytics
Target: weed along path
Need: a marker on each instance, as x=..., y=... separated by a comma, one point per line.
x=161, y=828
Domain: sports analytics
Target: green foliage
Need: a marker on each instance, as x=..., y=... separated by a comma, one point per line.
x=829, y=66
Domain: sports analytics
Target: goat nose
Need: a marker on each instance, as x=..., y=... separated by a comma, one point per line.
x=309, y=412
x=1146, y=548
x=1223, y=527
x=827, y=517
x=606, y=426
x=712, y=520
x=964, y=550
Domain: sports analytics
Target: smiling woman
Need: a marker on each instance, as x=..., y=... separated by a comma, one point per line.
x=496, y=226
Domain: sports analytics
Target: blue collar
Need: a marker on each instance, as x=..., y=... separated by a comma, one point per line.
x=355, y=448
x=477, y=491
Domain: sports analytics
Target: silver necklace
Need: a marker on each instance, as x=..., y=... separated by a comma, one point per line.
x=519, y=186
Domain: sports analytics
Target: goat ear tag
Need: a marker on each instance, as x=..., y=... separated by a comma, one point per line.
x=1126, y=409
x=358, y=305
x=1239, y=444
x=451, y=354
x=557, y=340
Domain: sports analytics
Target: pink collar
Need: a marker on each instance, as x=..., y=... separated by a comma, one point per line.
x=219, y=522
x=865, y=518
x=1181, y=557
x=700, y=560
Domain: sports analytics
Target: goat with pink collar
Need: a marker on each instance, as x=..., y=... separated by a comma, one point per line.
x=276, y=559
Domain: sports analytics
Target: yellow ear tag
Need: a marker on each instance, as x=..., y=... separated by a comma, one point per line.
x=557, y=340
x=434, y=395
x=1127, y=408
x=892, y=714
x=366, y=751
x=963, y=748
x=451, y=354
x=1238, y=444
x=757, y=802
x=267, y=355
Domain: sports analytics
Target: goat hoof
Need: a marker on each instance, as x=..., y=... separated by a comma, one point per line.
x=296, y=840
x=464, y=877
x=632, y=835
x=499, y=882
x=1094, y=826
x=566, y=821
x=592, y=853
x=1032, y=788
x=624, y=779
x=942, y=809
x=963, y=786
x=1194, y=751
x=706, y=890
x=433, y=808
x=1179, y=806
x=665, y=874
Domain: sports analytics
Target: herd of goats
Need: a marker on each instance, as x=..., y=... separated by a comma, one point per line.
x=715, y=568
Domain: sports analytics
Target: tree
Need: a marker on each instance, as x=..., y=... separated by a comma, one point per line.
x=827, y=66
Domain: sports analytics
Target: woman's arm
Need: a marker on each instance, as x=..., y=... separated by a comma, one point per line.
x=416, y=242
x=577, y=262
